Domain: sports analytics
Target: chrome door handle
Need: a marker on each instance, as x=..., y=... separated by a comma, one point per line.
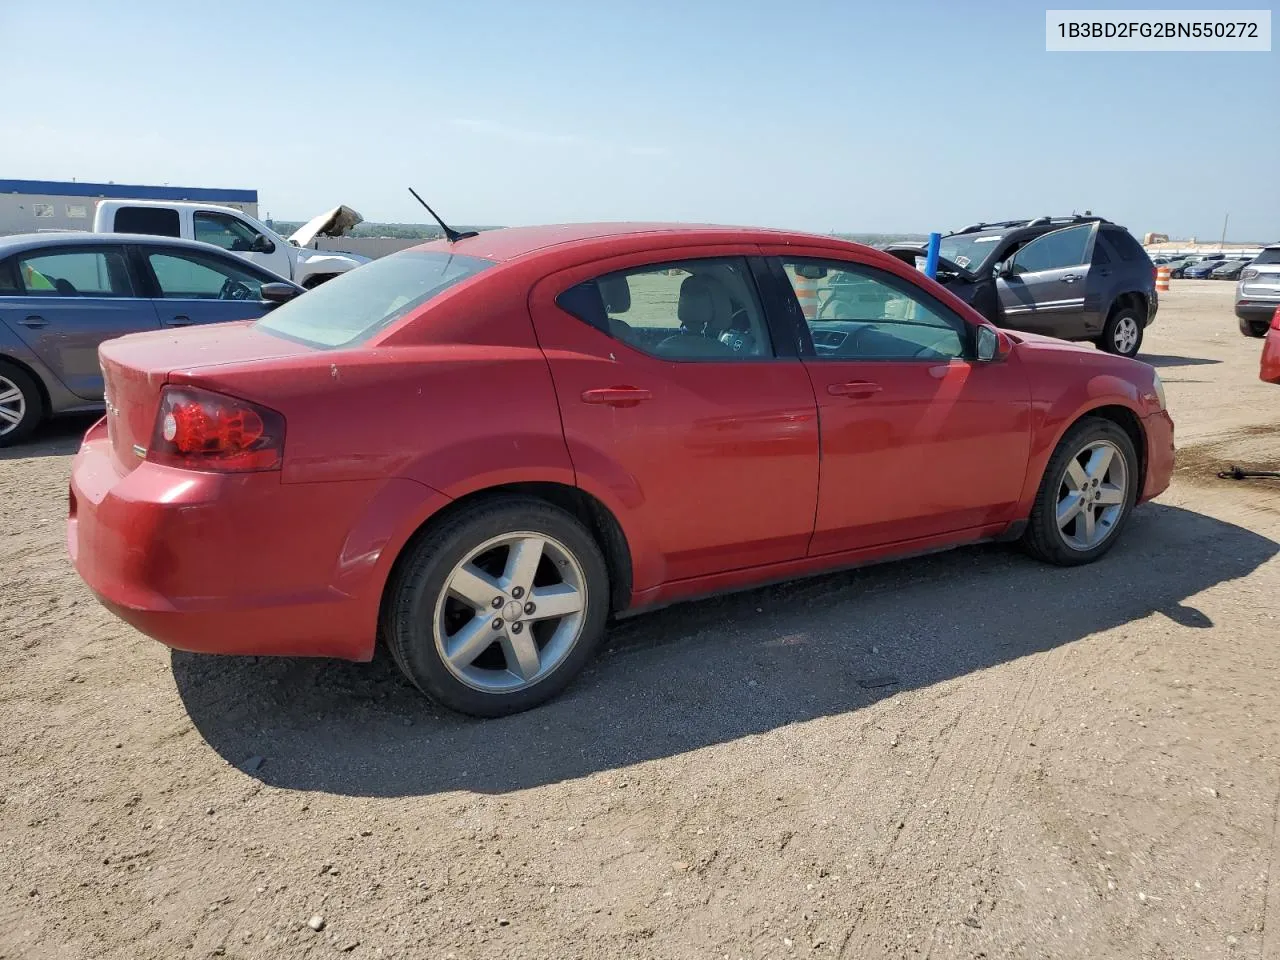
x=1071, y=278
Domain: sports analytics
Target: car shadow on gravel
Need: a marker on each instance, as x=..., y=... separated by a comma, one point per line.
x=1159, y=360
x=706, y=673
x=57, y=438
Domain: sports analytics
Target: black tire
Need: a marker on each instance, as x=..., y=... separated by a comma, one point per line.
x=32, y=404
x=408, y=616
x=1120, y=316
x=1042, y=538
x=1253, y=328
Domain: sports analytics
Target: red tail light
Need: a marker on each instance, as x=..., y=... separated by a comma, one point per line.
x=202, y=430
x=1275, y=319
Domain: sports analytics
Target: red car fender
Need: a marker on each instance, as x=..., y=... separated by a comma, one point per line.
x=1269, y=370
x=1051, y=418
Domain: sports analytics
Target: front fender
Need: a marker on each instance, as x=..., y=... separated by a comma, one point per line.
x=1052, y=417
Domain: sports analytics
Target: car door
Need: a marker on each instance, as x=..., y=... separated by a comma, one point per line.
x=239, y=237
x=676, y=401
x=192, y=286
x=919, y=439
x=1043, y=287
x=69, y=300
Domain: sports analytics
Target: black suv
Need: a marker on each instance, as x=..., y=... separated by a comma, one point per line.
x=1078, y=278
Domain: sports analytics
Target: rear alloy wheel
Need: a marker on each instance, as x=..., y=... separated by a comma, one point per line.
x=21, y=405
x=498, y=609
x=1254, y=328
x=1089, y=489
x=1123, y=332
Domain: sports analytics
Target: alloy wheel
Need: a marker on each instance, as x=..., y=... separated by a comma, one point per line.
x=1125, y=336
x=510, y=612
x=13, y=406
x=1091, y=497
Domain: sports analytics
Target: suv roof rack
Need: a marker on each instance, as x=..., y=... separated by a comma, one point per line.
x=1035, y=222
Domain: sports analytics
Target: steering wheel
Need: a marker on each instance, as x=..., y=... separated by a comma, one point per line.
x=233, y=289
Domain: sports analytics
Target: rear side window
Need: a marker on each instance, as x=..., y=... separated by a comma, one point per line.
x=1269, y=255
x=156, y=221
x=354, y=306
x=75, y=273
x=1125, y=245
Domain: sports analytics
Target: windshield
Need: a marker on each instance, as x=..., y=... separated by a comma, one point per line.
x=969, y=250
x=354, y=306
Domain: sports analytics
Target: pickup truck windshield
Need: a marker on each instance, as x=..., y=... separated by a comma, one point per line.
x=353, y=307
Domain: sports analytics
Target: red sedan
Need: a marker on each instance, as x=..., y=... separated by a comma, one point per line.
x=482, y=450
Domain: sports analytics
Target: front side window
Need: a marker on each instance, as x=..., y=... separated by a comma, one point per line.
x=1053, y=251
x=856, y=312
x=224, y=231
x=354, y=306
x=75, y=273
x=680, y=310
x=183, y=275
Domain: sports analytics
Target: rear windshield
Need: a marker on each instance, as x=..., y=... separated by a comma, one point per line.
x=356, y=305
x=1269, y=255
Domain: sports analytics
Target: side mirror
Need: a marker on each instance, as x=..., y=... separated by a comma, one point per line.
x=1005, y=270
x=262, y=244
x=279, y=292
x=992, y=345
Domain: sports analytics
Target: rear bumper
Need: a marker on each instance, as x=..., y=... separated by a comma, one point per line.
x=1160, y=455
x=1256, y=310
x=242, y=564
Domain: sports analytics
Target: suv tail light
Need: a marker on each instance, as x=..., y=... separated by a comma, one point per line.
x=1248, y=273
x=202, y=430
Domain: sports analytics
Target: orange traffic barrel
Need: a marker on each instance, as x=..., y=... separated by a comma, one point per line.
x=1162, y=278
x=807, y=294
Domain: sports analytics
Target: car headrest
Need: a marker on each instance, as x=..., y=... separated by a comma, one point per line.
x=705, y=305
x=615, y=292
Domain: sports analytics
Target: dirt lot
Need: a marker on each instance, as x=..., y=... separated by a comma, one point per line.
x=969, y=755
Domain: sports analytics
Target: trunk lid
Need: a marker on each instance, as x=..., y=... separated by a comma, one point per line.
x=135, y=369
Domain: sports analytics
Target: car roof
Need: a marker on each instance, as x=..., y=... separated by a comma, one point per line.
x=16, y=243
x=509, y=243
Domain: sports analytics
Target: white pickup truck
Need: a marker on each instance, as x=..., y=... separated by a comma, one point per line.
x=237, y=233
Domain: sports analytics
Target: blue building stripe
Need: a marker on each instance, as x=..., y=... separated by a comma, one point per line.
x=127, y=191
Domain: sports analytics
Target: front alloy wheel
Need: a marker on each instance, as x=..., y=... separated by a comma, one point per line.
x=1088, y=490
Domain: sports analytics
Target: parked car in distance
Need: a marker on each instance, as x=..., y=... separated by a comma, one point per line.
x=62, y=294
x=1078, y=278
x=1258, y=292
x=1227, y=270
x=238, y=233
x=483, y=449
x=1201, y=270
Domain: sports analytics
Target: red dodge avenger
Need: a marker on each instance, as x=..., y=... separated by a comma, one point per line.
x=481, y=450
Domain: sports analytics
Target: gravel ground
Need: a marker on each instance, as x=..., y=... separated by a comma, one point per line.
x=967, y=755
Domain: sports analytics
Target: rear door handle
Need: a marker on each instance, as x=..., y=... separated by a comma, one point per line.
x=34, y=321
x=616, y=396
x=854, y=388
x=1071, y=278
x=178, y=322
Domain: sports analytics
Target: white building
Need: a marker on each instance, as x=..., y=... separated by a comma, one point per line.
x=31, y=206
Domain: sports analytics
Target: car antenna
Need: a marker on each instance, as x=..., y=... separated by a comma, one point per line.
x=450, y=234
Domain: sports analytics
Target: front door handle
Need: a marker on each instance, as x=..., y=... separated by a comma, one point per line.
x=179, y=322
x=854, y=388
x=33, y=321
x=1071, y=278
x=616, y=396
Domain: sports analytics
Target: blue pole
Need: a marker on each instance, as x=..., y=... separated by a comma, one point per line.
x=931, y=258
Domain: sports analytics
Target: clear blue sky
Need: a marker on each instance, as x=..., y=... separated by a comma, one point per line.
x=848, y=116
